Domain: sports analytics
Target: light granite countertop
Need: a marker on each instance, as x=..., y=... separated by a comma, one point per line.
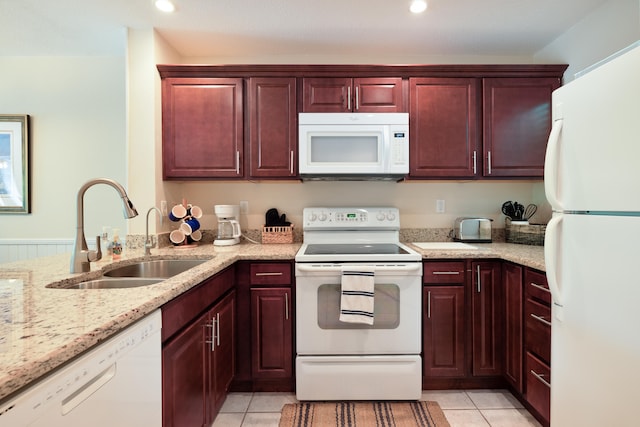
x=41, y=328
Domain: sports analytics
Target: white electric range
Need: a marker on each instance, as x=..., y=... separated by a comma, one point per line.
x=351, y=361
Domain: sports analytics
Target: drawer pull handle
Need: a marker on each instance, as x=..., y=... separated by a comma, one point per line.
x=286, y=306
x=541, y=319
x=275, y=273
x=542, y=288
x=445, y=273
x=540, y=377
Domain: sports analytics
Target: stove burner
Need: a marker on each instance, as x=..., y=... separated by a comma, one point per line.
x=354, y=249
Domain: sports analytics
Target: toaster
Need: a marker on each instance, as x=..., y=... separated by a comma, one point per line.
x=469, y=229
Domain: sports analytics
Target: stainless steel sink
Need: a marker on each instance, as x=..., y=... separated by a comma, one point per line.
x=159, y=269
x=111, y=283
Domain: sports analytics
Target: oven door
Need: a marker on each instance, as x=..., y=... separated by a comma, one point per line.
x=397, y=311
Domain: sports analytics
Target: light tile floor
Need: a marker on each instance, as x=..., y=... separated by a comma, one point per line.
x=463, y=408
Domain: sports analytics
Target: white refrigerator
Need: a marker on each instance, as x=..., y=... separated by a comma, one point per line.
x=592, y=245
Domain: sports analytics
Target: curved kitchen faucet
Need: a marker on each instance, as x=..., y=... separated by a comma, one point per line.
x=82, y=256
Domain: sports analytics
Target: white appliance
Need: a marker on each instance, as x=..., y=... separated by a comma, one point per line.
x=353, y=146
x=592, y=181
x=118, y=383
x=228, y=225
x=349, y=361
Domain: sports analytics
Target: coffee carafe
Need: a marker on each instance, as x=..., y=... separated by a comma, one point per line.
x=228, y=226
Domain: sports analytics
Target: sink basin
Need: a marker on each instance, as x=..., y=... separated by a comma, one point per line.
x=107, y=283
x=162, y=269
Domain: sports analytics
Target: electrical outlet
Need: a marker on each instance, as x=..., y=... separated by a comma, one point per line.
x=163, y=207
x=244, y=207
x=439, y=206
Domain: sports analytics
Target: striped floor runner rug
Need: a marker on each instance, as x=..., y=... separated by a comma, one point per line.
x=363, y=414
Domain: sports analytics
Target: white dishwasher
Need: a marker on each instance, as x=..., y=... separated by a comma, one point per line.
x=117, y=383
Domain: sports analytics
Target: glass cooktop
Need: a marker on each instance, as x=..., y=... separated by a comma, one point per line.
x=354, y=249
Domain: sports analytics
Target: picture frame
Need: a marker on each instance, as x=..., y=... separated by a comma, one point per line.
x=14, y=164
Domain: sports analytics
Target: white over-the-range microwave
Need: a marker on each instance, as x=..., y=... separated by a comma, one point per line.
x=353, y=146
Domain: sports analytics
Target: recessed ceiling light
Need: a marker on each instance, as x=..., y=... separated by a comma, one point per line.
x=165, y=6
x=418, y=6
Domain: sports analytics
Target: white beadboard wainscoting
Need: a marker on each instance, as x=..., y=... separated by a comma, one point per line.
x=21, y=249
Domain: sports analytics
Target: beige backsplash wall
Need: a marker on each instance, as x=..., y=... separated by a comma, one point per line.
x=416, y=200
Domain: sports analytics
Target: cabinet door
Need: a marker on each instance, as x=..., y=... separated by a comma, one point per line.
x=223, y=351
x=513, y=302
x=273, y=127
x=517, y=122
x=377, y=95
x=326, y=95
x=271, y=333
x=443, y=331
x=185, y=381
x=346, y=95
x=487, y=312
x=202, y=128
x=444, y=123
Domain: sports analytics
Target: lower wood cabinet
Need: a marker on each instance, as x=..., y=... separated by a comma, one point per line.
x=443, y=320
x=487, y=318
x=443, y=331
x=198, y=352
x=271, y=333
x=537, y=344
x=265, y=327
x=512, y=278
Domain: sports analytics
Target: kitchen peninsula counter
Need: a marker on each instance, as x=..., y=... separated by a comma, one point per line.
x=42, y=328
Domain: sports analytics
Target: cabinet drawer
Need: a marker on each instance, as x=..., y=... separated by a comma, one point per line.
x=538, y=329
x=536, y=286
x=538, y=385
x=271, y=274
x=444, y=272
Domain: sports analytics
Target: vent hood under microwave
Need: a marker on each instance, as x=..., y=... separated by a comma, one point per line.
x=353, y=146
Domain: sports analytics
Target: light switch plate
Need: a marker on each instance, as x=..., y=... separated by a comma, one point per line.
x=244, y=207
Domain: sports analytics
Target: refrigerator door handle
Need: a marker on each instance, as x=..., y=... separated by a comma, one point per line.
x=551, y=166
x=552, y=240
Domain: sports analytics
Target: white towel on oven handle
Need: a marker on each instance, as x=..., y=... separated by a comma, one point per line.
x=357, y=294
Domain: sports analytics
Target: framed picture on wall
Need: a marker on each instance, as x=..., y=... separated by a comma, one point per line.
x=14, y=164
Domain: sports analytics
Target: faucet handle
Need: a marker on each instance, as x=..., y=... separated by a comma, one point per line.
x=96, y=255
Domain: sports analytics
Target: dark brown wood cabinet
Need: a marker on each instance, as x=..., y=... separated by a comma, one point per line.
x=487, y=318
x=198, y=352
x=512, y=278
x=273, y=127
x=516, y=125
x=202, y=128
x=265, y=327
x=444, y=320
x=537, y=344
x=358, y=95
x=271, y=334
x=444, y=120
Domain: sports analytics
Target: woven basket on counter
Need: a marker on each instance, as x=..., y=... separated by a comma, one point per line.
x=524, y=233
x=277, y=234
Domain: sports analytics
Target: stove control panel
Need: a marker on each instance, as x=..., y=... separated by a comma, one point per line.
x=351, y=218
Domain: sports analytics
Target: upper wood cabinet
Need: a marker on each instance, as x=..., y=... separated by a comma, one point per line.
x=273, y=133
x=358, y=95
x=516, y=125
x=202, y=128
x=444, y=123
x=466, y=121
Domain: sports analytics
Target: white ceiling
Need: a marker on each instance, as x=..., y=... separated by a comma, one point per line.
x=227, y=28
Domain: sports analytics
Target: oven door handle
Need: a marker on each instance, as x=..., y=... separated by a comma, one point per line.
x=338, y=267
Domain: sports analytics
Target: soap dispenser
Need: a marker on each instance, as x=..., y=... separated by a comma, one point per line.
x=116, y=245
